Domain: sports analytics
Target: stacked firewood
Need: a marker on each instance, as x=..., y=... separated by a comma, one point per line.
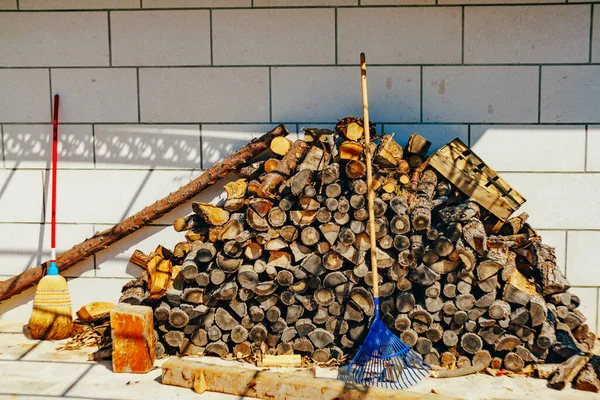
x=281, y=266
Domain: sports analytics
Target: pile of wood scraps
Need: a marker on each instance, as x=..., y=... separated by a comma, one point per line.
x=279, y=267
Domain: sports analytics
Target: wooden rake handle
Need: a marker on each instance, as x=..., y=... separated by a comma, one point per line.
x=368, y=156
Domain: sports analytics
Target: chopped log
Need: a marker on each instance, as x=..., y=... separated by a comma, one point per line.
x=507, y=343
x=332, y=261
x=444, y=266
x=526, y=355
x=520, y=316
x=433, y=305
x=356, y=169
x=460, y=317
x=159, y=275
x=212, y=214
x=518, y=289
x=178, y=318
x=423, y=345
x=255, y=221
x=552, y=279
x=302, y=218
x=546, y=337
x=350, y=150
x=253, y=251
x=465, y=302
x=514, y=225
x=96, y=310
x=450, y=338
x=491, y=334
x=280, y=146
x=389, y=152
x=421, y=319
x=471, y=343
x=284, y=168
x=489, y=285
x=513, y=362
x=434, y=290
x=309, y=236
x=434, y=333
x=499, y=309
x=405, y=301
x=270, y=165
x=474, y=235
x=588, y=379
x=443, y=246
x=409, y=337
x=568, y=371
x=449, y=290
x=448, y=360
x=418, y=145
x=330, y=174
x=424, y=275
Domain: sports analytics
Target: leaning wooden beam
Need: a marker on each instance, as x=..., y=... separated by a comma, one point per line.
x=102, y=240
x=246, y=382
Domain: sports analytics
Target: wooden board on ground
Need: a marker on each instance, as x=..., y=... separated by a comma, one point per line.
x=457, y=163
x=241, y=381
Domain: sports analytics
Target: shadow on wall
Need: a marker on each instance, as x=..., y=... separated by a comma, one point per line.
x=508, y=148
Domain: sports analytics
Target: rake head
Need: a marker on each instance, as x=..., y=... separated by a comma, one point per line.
x=384, y=360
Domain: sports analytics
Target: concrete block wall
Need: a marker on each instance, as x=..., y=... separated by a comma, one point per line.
x=152, y=92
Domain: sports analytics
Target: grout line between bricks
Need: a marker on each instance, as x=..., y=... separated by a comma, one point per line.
x=539, y=113
x=210, y=31
x=250, y=7
x=597, y=302
x=335, y=44
x=585, y=150
x=205, y=66
x=270, y=97
x=242, y=123
x=201, y=146
x=421, y=95
x=2, y=145
x=591, y=31
x=566, y=250
x=139, y=101
x=109, y=40
x=462, y=36
x=18, y=5
x=94, y=146
x=51, y=96
x=469, y=134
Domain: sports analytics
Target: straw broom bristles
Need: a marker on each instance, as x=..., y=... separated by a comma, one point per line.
x=52, y=317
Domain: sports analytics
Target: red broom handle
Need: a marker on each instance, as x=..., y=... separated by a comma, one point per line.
x=54, y=165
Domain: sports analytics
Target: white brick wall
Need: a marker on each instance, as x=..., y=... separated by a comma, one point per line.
x=153, y=91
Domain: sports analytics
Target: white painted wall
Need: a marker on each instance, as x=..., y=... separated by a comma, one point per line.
x=154, y=91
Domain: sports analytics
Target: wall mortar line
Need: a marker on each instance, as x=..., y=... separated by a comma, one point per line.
x=591, y=31
x=109, y=40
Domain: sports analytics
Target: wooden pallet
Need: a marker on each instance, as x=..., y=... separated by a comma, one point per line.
x=457, y=163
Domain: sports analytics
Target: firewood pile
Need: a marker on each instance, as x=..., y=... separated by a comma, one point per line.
x=282, y=265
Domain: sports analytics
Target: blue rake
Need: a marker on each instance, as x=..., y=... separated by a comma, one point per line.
x=383, y=359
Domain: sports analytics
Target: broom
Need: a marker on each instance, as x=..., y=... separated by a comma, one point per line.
x=383, y=359
x=52, y=318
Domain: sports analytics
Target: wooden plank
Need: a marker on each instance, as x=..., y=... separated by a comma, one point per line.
x=470, y=174
x=241, y=381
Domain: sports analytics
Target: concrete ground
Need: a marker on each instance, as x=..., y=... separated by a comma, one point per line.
x=32, y=369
